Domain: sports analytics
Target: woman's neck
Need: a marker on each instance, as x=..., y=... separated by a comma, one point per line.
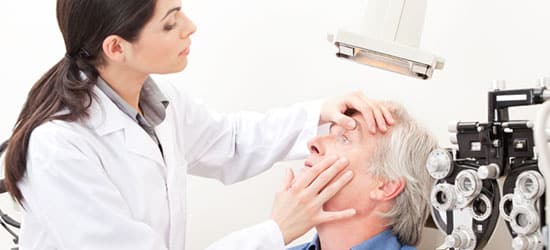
x=126, y=83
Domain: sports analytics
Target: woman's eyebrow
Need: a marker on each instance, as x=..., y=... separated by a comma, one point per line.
x=170, y=11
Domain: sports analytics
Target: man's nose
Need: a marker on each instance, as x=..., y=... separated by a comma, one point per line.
x=315, y=146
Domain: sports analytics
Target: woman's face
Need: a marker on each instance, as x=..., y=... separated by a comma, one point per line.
x=164, y=42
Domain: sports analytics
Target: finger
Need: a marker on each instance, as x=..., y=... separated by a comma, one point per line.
x=335, y=187
x=336, y=215
x=380, y=121
x=387, y=115
x=344, y=121
x=310, y=174
x=324, y=178
x=289, y=178
x=373, y=115
x=363, y=106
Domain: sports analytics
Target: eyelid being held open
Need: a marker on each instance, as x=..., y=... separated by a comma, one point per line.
x=345, y=139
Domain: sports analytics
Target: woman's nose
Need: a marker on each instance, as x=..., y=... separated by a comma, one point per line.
x=189, y=28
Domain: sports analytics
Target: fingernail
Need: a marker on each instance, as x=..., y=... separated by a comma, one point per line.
x=348, y=175
x=343, y=160
x=351, y=124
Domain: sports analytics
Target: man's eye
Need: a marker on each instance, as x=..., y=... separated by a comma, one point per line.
x=345, y=139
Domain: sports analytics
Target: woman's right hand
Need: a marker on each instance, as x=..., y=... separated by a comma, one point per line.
x=298, y=206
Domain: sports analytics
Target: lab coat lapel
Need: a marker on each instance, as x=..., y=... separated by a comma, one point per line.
x=108, y=118
x=165, y=137
x=175, y=178
x=140, y=143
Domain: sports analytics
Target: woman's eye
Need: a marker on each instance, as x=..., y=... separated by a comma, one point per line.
x=169, y=27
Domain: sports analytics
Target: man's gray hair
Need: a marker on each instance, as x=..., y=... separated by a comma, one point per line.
x=402, y=153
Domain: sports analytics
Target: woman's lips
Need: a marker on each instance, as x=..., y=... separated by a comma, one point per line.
x=185, y=51
x=308, y=164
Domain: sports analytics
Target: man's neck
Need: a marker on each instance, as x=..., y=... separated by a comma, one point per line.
x=344, y=234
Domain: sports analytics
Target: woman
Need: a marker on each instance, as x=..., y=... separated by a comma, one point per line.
x=100, y=152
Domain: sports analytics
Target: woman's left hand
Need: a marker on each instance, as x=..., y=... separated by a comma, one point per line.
x=375, y=113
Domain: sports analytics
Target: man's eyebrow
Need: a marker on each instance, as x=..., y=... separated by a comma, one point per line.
x=170, y=11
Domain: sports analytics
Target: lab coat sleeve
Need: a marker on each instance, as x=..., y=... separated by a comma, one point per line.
x=233, y=147
x=264, y=236
x=72, y=196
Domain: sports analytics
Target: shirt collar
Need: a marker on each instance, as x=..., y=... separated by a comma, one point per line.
x=152, y=101
x=315, y=244
x=381, y=241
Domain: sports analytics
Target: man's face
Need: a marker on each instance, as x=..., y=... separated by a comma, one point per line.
x=357, y=146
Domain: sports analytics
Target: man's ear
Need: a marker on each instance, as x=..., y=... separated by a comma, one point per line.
x=114, y=48
x=388, y=189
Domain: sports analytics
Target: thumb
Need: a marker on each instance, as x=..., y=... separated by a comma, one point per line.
x=289, y=179
x=344, y=121
x=337, y=215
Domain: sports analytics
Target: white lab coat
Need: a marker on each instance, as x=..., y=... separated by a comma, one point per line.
x=103, y=184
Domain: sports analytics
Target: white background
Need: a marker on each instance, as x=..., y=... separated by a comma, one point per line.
x=257, y=54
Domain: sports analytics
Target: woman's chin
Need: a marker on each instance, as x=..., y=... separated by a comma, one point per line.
x=176, y=69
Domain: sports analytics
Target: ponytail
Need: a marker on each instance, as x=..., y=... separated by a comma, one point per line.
x=67, y=85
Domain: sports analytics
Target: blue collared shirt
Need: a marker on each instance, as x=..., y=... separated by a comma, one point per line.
x=382, y=241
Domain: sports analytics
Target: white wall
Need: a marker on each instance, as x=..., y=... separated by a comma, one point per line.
x=257, y=54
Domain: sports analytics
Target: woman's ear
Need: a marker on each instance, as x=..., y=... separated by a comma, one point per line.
x=114, y=48
x=388, y=189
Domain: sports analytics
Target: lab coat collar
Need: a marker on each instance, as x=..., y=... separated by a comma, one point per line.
x=106, y=118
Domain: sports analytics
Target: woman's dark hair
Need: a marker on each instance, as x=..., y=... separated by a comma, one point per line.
x=69, y=84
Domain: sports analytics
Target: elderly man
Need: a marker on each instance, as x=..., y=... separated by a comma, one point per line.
x=389, y=190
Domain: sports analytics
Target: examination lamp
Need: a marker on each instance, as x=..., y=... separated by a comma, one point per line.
x=390, y=39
